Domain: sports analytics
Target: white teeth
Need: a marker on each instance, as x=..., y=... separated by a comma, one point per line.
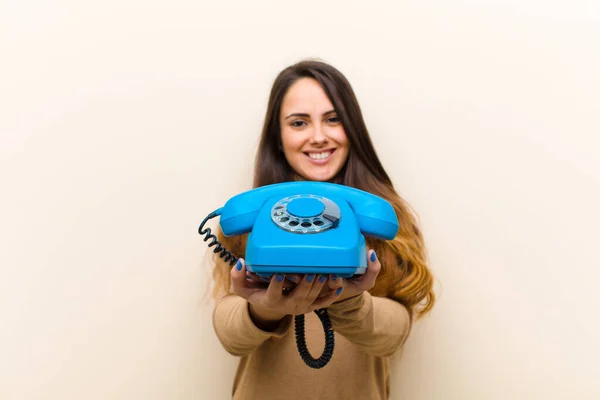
x=319, y=156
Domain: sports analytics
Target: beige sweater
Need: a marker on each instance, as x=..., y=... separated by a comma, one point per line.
x=367, y=329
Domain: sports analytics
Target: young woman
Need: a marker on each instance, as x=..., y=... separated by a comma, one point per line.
x=314, y=131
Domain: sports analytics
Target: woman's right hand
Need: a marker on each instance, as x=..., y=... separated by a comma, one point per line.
x=269, y=305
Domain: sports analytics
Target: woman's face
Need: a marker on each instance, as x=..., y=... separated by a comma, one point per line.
x=313, y=139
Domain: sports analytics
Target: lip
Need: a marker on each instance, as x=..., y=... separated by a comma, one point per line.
x=321, y=161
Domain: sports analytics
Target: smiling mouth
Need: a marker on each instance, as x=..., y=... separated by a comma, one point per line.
x=323, y=155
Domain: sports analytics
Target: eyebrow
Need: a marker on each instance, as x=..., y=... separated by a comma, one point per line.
x=306, y=115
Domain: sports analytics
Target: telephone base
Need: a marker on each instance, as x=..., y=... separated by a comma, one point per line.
x=341, y=272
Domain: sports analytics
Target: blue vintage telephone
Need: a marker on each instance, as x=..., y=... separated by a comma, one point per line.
x=305, y=228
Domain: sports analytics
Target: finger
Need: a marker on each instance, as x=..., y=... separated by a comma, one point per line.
x=252, y=284
x=334, y=282
x=238, y=279
x=314, y=291
x=251, y=276
x=367, y=281
x=326, y=301
x=296, y=278
x=256, y=277
x=274, y=293
x=301, y=290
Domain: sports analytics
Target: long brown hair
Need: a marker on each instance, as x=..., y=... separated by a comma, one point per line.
x=405, y=276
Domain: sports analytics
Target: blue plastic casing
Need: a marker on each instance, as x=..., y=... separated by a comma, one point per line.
x=336, y=218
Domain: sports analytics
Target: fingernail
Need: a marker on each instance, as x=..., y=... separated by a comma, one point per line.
x=322, y=279
x=373, y=257
x=279, y=277
x=338, y=291
x=309, y=278
x=239, y=265
x=334, y=278
x=265, y=279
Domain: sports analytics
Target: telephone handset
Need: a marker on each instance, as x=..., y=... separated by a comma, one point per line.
x=305, y=228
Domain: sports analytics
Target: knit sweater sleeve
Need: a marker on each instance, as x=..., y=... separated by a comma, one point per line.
x=378, y=325
x=235, y=329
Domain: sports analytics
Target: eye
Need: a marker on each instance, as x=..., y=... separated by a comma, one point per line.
x=333, y=120
x=298, y=123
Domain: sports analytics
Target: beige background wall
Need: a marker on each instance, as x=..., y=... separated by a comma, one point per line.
x=123, y=123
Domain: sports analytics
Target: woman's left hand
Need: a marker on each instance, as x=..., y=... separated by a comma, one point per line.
x=360, y=283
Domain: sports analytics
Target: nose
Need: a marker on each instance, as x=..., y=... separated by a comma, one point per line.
x=318, y=135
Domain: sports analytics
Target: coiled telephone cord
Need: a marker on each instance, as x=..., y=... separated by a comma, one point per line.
x=308, y=359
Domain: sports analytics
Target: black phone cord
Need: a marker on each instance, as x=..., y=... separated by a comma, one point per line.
x=322, y=313
x=329, y=340
x=225, y=254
